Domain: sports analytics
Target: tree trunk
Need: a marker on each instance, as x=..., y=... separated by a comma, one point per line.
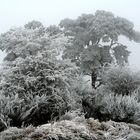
x=93, y=79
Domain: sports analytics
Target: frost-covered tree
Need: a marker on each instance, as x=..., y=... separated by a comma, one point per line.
x=33, y=25
x=96, y=40
x=23, y=42
x=53, y=30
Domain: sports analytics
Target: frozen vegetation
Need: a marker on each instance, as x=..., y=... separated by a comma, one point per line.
x=43, y=91
x=74, y=127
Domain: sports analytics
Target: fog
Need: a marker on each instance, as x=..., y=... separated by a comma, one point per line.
x=19, y=12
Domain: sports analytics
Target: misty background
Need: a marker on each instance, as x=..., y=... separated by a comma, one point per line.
x=19, y=12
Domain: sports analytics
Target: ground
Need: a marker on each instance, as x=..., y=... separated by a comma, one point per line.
x=77, y=128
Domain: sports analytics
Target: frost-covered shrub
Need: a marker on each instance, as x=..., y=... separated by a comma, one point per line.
x=119, y=108
x=11, y=109
x=121, y=80
x=105, y=105
x=85, y=94
x=42, y=109
x=91, y=103
x=82, y=85
x=31, y=110
x=42, y=87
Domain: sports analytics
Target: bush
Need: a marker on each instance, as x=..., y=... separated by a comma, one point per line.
x=35, y=91
x=105, y=105
x=121, y=80
x=119, y=108
x=85, y=94
x=11, y=109
x=32, y=110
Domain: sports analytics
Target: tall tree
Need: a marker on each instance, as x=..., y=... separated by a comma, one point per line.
x=95, y=40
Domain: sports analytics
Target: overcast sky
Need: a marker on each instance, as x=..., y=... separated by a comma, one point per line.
x=19, y=12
